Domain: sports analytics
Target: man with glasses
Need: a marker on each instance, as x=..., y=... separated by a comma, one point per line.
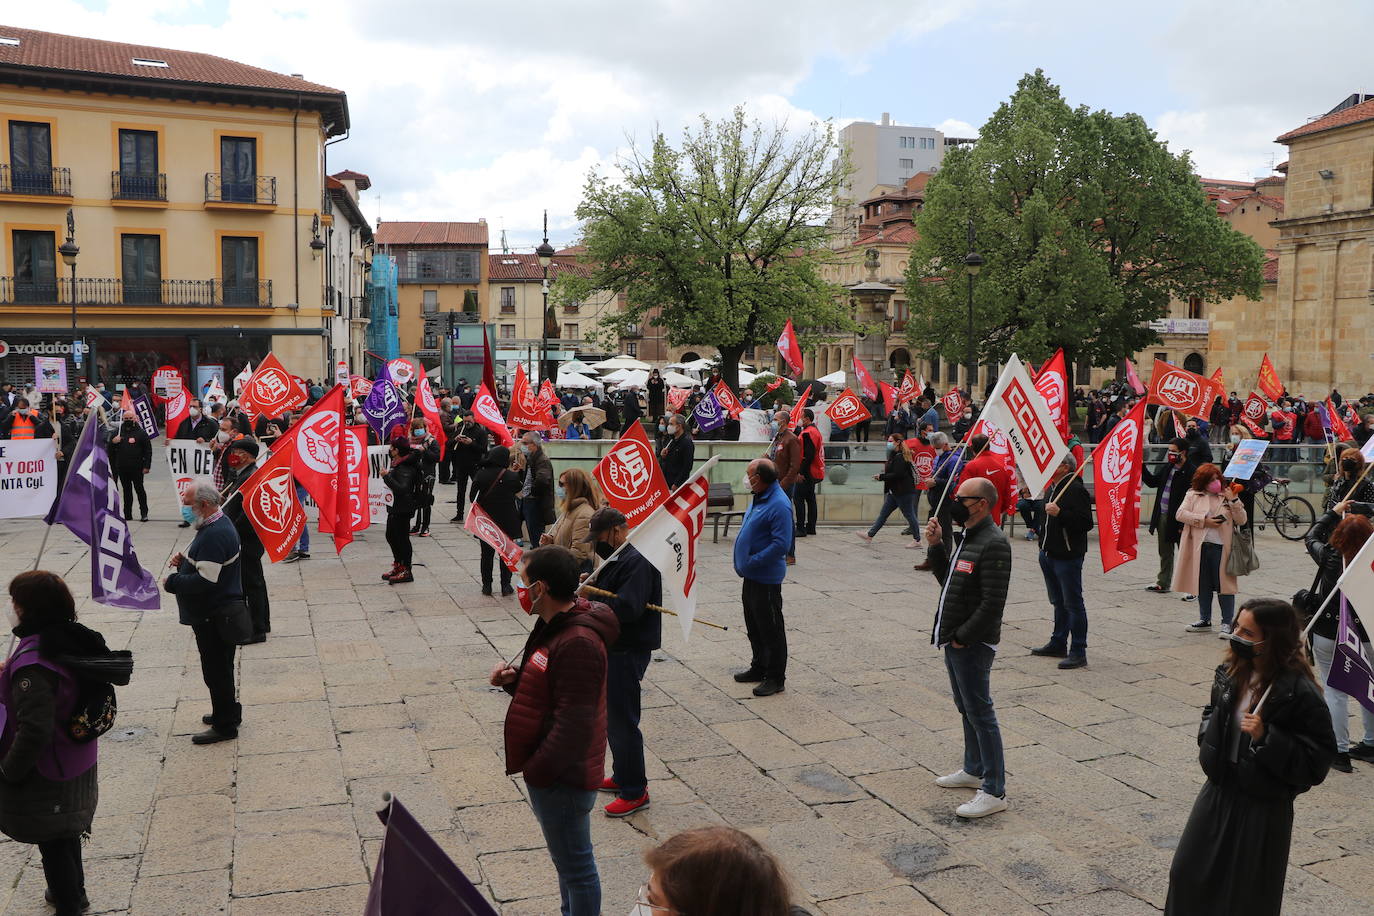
x=968, y=627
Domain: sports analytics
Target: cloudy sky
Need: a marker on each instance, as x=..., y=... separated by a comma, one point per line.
x=464, y=110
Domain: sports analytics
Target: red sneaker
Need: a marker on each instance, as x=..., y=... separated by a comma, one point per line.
x=624, y=808
x=608, y=785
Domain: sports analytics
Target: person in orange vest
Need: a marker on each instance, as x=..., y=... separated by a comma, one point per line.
x=813, y=472
x=25, y=423
x=992, y=467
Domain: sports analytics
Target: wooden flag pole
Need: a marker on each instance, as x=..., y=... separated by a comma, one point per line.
x=602, y=593
x=1076, y=474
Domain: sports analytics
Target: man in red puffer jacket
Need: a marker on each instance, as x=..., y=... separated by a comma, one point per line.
x=556, y=724
x=995, y=468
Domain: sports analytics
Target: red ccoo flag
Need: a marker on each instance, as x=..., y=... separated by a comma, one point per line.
x=630, y=476
x=1269, y=380
x=790, y=349
x=1116, y=475
x=488, y=413
x=867, y=386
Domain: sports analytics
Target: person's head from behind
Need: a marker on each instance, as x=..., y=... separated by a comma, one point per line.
x=718, y=871
x=939, y=441
x=761, y=474
x=40, y=598
x=1350, y=535
x=551, y=575
x=1266, y=641
x=977, y=444
x=1207, y=478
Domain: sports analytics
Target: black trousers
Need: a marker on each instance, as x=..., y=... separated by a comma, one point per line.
x=462, y=478
x=398, y=536
x=66, y=878
x=217, y=668
x=132, y=482
x=255, y=590
x=446, y=466
x=422, y=513
x=488, y=559
x=805, y=499
x=767, y=631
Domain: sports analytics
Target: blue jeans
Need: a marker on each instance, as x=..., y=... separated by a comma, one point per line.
x=564, y=814
x=891, y=503
x=970, y=680
x=1032, y=513
x=1209, y=581
x=624, y=671
x=303, y=545
x=1064, y=583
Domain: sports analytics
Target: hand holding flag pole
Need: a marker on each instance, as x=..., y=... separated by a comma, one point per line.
x=602, y=593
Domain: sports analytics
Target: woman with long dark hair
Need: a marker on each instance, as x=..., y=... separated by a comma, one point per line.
x=899, y=489
x=1233, y=854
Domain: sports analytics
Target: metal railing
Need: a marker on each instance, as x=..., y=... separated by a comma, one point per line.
x=257, y=189
x=138, y=186
x=105, y=291
x=17, y=180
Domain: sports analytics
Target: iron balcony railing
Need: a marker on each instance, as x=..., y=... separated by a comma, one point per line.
x=103, y=291
x=18, y=180
x=138, y=185
x=229, y=189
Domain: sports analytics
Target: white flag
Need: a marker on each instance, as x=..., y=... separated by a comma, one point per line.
x=1019, y=410
x=242, y=378
x=669, y=539
x=215, y=391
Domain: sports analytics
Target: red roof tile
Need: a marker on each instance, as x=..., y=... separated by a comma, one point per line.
x=1352, y=115
x=333, y=183
x=1274, y=202
x=405, y=234
x=903, y=234
x=1271, y=270
x=50, y=51
x=358, y=178
x=526, y=267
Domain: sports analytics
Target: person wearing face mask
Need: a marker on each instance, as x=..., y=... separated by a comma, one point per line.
x=1209, y=515
x=1348, y=470
x=812, y=473
x=636, y=583
x=131, y=457
x=25, y=423
x=1363, y=430
x=240, y=462
x=555, y=729
x=578, y=499
x=785, y=451
x=1171, y=480
x=196, y=426
x=208, y=577
x=1063, y=545
x=1233, y=854
x=1199, y=452
x=405, y=480
x=760, y=560
x=219, y=448
x=677, y=453
x=427, y=447
x=974, y=577
x=899, y=489
x=963, y=424
x=536, y=490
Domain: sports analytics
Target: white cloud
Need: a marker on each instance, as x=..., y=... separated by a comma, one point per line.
x=952, y=127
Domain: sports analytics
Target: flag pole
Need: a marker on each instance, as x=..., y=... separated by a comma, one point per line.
x=47, y=529
x=1307, y=630
x=602, y=593
x=1076, y=474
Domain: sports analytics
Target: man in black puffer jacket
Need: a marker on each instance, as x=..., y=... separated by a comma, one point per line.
x=1063, y=545
x=131, y=457
x=968, y=626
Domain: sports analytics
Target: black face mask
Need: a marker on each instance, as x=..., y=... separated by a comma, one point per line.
x=603, y=549
x=1350, y=467
x=1192, y=434
x=1243, y=647
x=958, y=513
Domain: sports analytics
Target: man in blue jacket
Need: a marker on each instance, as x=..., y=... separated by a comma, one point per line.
x=761, y=549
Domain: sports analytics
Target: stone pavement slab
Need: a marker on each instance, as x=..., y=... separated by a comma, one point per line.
x=365, y=688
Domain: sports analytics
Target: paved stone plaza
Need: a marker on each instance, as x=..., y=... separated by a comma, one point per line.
x=366, y=687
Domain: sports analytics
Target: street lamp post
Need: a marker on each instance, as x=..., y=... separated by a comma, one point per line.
x=69, y=251
x=973, y=262
x=545, y=254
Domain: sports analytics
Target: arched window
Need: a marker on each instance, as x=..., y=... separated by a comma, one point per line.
x=1195, y=363
x=899, y=359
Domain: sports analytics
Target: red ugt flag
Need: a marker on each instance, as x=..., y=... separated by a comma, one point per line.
x=954, y=404
x=1181, y=390
x=424, y=396
x=269, y=501
x=790, y=349
x=271, y=390
x=525, y=410
x=847, y=410
x=1269, y=379
x=1338, y=427
x=727, y=399
x=889, y=396
x=1053, y=384
x=352, y=511
x=1116, y=472
x=485, y=409
x=908, y=391
x=631, y=478
x=676, y=398
x=867, y=386
x=482, y=525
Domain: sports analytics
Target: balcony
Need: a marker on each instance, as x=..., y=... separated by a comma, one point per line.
x=572, y=308
x=258, y=192
x=55, y=184
x=138, y=187
x=360, y=307
x=633, y=330
x=111, y=292
x=507, y=308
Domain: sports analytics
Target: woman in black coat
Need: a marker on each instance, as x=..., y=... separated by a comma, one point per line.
x=131, y=457
x=405, y=481
x=1233, y=855
x=656, y=390
x=899, y=488
x=494, y=489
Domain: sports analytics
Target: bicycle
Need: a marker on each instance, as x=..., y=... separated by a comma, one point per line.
x=1292, y=516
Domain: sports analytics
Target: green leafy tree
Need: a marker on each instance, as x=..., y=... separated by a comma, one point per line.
x=723, y=235
x=1088, y=226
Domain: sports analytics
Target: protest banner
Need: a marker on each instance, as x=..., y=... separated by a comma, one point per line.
x=1245, y=459
x=50, y=374
x=28, y=477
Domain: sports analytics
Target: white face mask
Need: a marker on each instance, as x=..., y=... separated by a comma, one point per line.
x=222, y=436
x=643, y=909
x=195, y=411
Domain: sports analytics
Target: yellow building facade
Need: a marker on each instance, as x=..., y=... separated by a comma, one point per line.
x=441, y=267
x=194, y=187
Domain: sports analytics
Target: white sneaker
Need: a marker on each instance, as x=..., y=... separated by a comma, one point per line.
x=959, y=780
x=1225, y=631
x=981, y=805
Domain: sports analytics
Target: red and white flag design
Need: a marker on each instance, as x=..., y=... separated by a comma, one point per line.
x=1020, y=412
x=525, y=410
x=923, y=458
x=1132, y=379
x=954, y=404
x=795, y=418
x=424, y=397
x=630, y=477
x=790, y=349
x=352, y=507
x=1269, y=379
x=676, y=397
x=1178, y=389
x=178, y=408
x=867, y=386
x=889, y=396
x=270, y=390
x=359, y=387
x=486, y=411
x=547, y=396
x=269, y=501
x=727, y=400
x=1116, y=485
x=1338, y=427
x=847, y=410
x=314, y=444
x=1053, y=384
x=908, y=391
x=484, y=527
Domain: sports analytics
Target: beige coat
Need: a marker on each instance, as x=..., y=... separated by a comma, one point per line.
x=1197, y=507
x=572, y=528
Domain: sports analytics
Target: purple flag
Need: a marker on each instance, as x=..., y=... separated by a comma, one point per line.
x=89, y=507
x=708, y=413
x=415, y=877
x=383, y=408
x=143, y=409
x=1352, y=671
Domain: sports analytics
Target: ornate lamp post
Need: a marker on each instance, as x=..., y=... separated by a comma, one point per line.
x=69, y=251
x=973, y=262
x=545, y=254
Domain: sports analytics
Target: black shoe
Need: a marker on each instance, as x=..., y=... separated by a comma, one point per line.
x=768, y=688
x=749, y=676
x=923, y=566
x=507, y=591
x=305, y=555
x=1050, y=650
x=213, y=735
x=256, y=638
x=144, y=518
x=801, y=534
x=1074, y=661
x=1362, y=751
x=1342, y=763
x=183, y=524
x=83, y=904
x=906, y=530
x=811, y=531
x=456, y=520
x=486, y=589
x=1157, y=589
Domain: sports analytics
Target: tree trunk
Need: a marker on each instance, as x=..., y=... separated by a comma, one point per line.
x=729, y=365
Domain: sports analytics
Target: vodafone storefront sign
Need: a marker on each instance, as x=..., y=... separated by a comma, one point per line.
x=41, y=348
